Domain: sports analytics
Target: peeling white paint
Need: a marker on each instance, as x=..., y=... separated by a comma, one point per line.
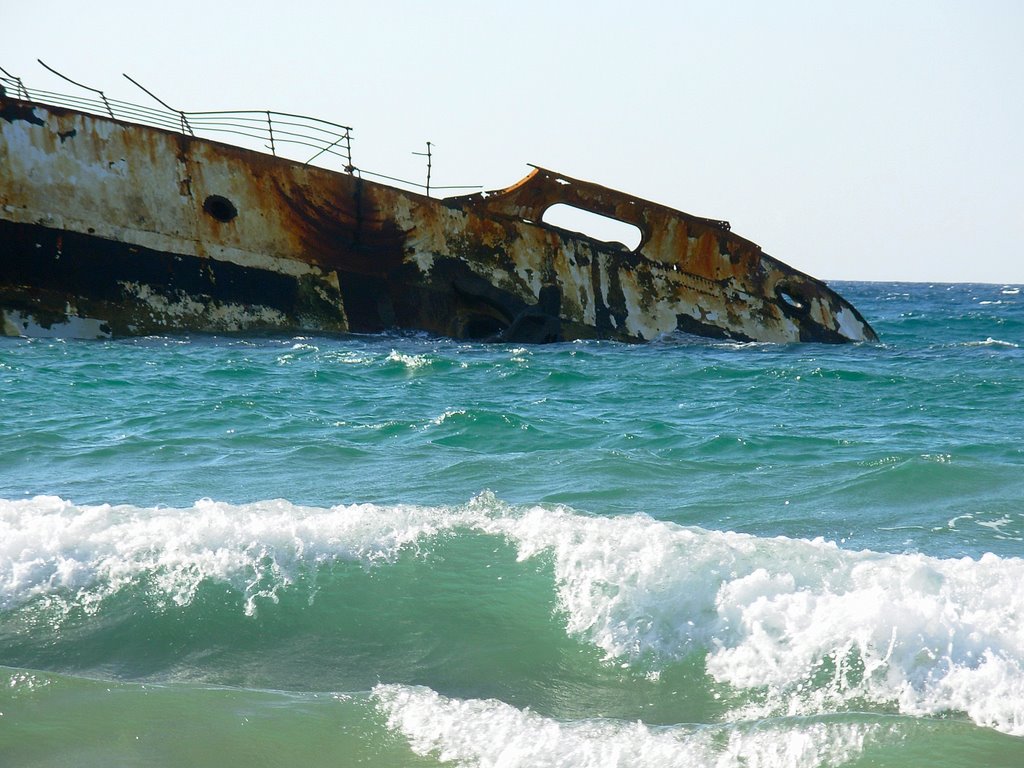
x=848, y=324
x=187, y=311
x=424, y=260
x=403, y=213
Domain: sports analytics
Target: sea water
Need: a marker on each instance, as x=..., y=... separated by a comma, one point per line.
x=398, y=550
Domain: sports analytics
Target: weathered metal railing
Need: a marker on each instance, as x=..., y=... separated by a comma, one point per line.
x=266, y=130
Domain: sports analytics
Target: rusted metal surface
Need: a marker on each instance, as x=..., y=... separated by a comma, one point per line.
x=113, y=228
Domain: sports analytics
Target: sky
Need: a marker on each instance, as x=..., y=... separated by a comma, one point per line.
x=854, y=141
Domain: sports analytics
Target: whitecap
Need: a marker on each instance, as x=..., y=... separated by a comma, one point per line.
x=52, y=548
x=791, y=627
x=475, y=732
x=450, y=414
x=990, y=342
x=409, y=361
x=803, y=626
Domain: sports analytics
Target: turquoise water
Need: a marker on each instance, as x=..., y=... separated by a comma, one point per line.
x=402, y=551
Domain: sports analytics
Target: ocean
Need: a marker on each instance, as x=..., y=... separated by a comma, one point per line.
x=398, y=550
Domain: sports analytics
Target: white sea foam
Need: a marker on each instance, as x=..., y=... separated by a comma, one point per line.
x=412, y=362
x=449, y=414
x=990, y=342
x=51, y=547
x=809, y=627
x=489, y=733
x=299, y=349
x=785, y=627
x=348, y=357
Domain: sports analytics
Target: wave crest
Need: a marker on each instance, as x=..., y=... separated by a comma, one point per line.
x=783, y=627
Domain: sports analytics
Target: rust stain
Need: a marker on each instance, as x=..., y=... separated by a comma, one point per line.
x=153, y=229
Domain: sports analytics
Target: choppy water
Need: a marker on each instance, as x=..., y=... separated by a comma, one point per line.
x=403, y=551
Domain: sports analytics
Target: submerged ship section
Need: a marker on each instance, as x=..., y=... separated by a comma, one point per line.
x=110, y=227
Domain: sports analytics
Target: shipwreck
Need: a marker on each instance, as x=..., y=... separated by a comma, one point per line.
x=120, y=220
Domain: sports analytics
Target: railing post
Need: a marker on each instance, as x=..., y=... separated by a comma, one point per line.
x=270, y=128
x=428, y=156
x=22, y=90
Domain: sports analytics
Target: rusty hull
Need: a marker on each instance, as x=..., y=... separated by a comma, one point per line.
x=109, y=228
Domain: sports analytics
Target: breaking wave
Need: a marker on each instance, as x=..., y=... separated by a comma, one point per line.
x=779, y=627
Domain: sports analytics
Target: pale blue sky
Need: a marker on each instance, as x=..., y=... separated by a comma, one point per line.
x=864, y=141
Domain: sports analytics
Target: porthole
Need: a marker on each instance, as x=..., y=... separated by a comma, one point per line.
x=220, y=208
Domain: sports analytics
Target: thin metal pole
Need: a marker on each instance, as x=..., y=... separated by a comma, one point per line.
x=428, y=156
x=22, y=90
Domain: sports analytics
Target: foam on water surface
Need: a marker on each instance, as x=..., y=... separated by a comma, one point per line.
x=782, y=627
x=489, y=733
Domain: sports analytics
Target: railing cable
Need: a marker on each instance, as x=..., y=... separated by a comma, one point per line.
x=88, y=88
x=184, y=121
x=271, y=129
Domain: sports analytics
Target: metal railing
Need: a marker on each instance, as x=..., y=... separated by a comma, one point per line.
x=282, y=134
